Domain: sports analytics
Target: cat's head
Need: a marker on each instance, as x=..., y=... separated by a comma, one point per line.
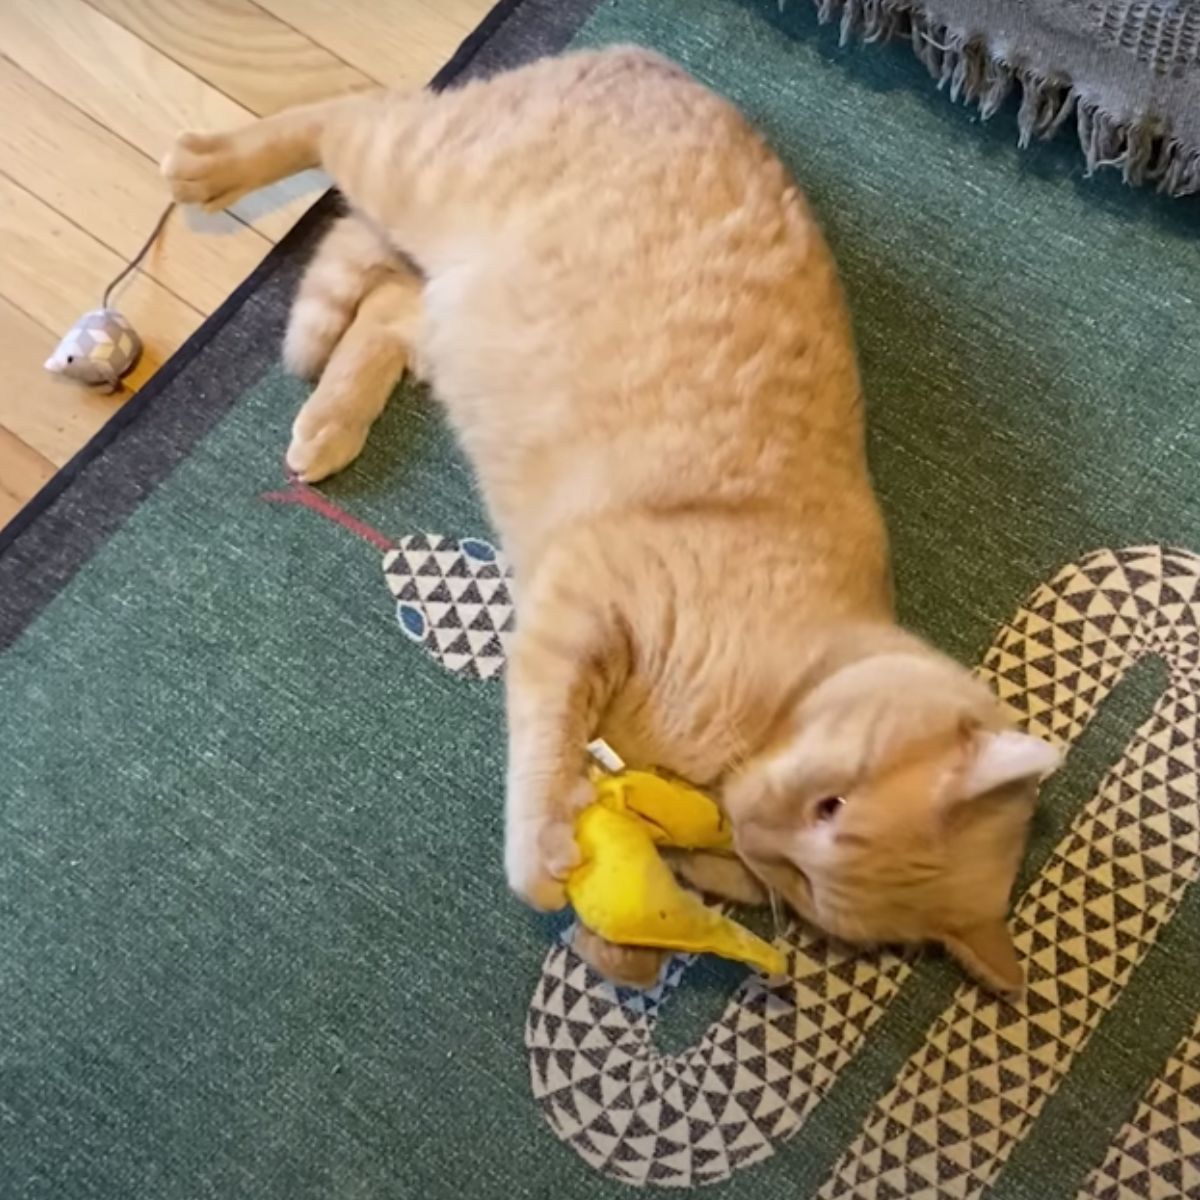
x=893, y=807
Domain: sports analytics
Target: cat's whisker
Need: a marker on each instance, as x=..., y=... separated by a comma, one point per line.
x=778, y=923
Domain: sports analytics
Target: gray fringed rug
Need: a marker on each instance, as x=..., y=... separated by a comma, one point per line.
x=1127, y=70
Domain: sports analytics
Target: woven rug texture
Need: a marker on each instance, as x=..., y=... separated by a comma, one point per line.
x=255, y=936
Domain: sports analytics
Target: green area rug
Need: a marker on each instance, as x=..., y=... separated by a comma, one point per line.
x=255, y=941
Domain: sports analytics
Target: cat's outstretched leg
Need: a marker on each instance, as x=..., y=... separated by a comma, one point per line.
x=364, y=367
x=215, y=169
x=564, y=664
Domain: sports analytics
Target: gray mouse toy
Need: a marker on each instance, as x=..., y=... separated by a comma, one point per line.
x=98, y=349
x=102, y=345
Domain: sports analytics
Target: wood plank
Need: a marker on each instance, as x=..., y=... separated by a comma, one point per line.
x=22, y=472
x=467, y=14
x=54, y=272
x=135, y=91
x=49, y=414
x=399, y=45
x=239, y=48
x=114, y=192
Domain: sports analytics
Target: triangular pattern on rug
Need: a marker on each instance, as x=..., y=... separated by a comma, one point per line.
x=695, y=1117
x=454, y=598
x=1156, y=1153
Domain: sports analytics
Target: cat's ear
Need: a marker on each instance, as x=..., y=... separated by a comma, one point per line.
x=988, y=953
x=996, y=759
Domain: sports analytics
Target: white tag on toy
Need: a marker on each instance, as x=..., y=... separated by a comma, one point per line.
x=605, y=757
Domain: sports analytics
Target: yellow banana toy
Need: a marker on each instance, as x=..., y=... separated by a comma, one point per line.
x=623, y=890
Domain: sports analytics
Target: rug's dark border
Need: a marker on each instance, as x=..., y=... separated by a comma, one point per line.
x=85, y=502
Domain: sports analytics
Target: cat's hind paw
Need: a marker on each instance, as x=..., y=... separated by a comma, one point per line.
x=322, y=446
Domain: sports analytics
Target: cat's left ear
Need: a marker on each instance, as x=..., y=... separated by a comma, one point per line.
x=996, y=759
x=988, y=953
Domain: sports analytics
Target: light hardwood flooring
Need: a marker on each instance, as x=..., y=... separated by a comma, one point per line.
x=91, y=92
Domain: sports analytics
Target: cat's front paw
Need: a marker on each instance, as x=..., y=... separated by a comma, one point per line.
x=539, y=853
x=536, y=886
x=537, y=861
x=203, y=168
x=717, y=875
x=323, y=445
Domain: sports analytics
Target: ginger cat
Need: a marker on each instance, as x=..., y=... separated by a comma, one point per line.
x=637, y=330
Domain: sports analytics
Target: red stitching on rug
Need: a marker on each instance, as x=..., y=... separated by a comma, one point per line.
x=307, y=497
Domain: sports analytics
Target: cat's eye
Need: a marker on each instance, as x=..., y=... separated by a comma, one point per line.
x=827, y=809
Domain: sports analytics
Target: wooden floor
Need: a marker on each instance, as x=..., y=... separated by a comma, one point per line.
x=92, y=92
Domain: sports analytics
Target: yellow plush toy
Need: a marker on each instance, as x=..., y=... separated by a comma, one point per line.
x=623, y=890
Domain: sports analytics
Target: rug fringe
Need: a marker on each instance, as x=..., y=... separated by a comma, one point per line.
x=970, y=71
